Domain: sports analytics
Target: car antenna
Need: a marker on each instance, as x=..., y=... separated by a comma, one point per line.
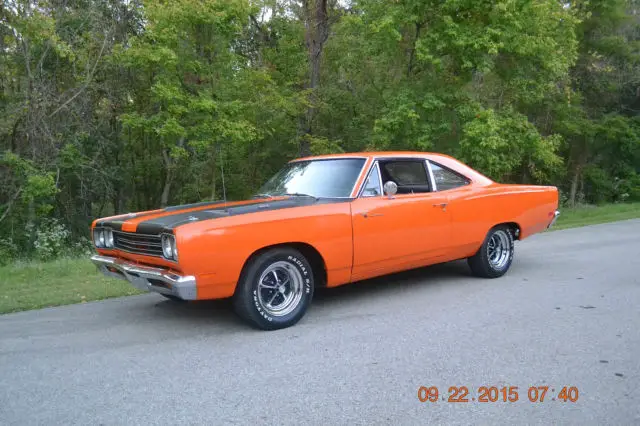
x=224, y=188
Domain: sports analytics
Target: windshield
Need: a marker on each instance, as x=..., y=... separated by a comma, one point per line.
x=318, y=178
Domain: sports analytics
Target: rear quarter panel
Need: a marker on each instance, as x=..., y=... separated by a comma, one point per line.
x=476, y=209
x=215, y=251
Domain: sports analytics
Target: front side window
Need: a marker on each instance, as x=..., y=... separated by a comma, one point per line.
x=406, y=172
x=410, y=175
x=373, y=186
x=447, y=179
x=334, y=178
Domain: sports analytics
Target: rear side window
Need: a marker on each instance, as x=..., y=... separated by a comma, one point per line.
x=447, y=178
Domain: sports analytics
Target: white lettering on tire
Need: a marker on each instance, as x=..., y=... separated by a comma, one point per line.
x=259, y=308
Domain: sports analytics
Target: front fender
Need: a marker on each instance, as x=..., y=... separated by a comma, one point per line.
x=216, y=250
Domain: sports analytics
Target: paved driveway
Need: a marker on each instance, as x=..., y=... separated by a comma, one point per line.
x=567, y=314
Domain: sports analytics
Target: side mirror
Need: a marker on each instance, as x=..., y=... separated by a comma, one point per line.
x=390, y=188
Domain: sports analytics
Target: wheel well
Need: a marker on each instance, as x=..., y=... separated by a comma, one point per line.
x=514, y=227
x=309, y=252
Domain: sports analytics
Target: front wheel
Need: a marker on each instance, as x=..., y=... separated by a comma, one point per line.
x=495, y=255
x=275, y=289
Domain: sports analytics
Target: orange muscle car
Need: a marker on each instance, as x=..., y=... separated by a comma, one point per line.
x=324, y=221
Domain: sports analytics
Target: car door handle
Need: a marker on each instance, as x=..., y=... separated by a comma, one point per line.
x=442, y=205
x=367, y=214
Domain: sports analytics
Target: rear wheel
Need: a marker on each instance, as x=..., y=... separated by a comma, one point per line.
x=275, y=289
x=495, y=255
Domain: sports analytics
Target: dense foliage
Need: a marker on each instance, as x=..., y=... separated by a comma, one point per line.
x=110, y=106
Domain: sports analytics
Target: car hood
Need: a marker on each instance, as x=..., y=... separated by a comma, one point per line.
x=166, y=220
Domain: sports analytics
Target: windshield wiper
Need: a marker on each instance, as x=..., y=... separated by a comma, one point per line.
x=264, y=195
x=287, y=194
x=300, y=194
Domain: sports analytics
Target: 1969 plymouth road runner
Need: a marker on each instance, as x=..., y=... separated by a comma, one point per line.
x=324, y=221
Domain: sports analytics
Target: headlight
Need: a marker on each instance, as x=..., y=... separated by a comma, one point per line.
x=108, y=238
x=169, y=249
x=98, y=237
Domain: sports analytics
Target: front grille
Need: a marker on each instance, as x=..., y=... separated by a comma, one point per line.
x=148, y=245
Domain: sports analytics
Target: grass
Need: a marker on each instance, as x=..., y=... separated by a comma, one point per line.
x=591, y=215
x=34, y=285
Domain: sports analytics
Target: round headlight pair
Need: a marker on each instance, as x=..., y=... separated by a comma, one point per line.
x=103, y=237
x=169, y=249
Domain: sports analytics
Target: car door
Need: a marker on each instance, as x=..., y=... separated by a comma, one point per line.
x=462, y=204
x=405, y=230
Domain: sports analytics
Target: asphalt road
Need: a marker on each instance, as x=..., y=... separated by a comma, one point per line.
x=566, y=314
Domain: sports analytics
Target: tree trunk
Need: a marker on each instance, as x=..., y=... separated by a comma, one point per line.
x=412, y=50
x=118, y=200
x=170, y=168
x=31, y=223
x=576, y=177
x=524, y=179
x=574, y=186
x=164, y=199
x=316, y=34
x=166, y=190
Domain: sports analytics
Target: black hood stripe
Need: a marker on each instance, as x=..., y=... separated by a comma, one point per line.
x=116, y=222
x=169, y=222
x=193, y=205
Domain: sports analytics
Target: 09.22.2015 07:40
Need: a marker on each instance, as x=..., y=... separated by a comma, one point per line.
x=534, y=394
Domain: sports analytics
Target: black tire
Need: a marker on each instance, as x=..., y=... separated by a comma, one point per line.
x=482, y=265
x=172, y=297
x=250, y=299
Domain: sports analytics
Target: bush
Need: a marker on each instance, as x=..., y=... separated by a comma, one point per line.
x=505, y=146
x=81, y=247
x=598, y=185
x=628, y=189
x=51, y=239
x=8, y=251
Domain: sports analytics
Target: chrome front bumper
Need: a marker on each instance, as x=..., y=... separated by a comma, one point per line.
x=555, y=217
x=148, y=278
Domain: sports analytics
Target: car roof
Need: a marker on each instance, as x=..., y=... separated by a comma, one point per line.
x=375, y=154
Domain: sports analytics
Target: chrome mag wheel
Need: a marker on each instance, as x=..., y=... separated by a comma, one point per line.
x=499, y=249
x=280, y=288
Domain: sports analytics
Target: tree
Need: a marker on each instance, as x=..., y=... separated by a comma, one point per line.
x=605, y=80
x=110, y=106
